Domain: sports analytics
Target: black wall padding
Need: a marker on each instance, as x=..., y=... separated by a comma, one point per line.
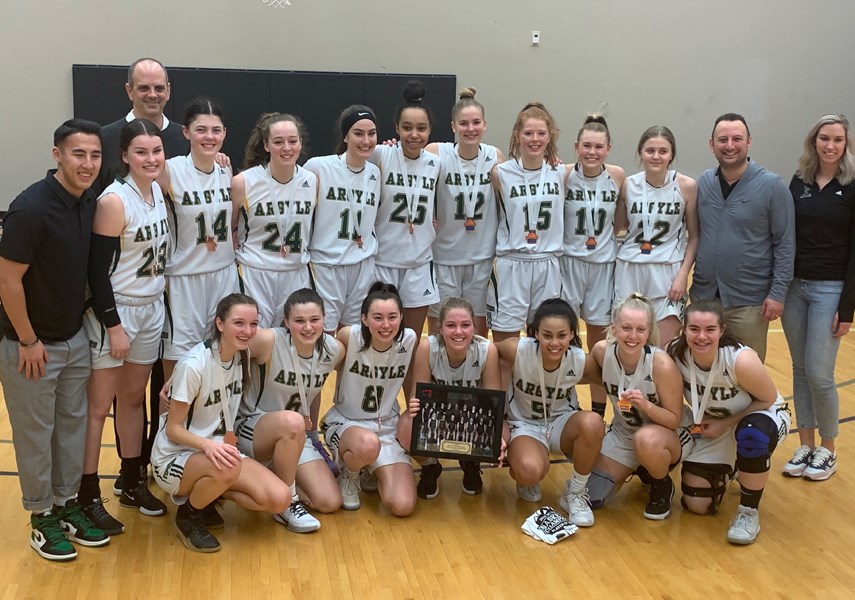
x=317, y=98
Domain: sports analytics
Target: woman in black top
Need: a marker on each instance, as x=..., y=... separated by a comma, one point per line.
x=821, y=298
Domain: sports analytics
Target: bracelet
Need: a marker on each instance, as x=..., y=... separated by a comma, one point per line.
x=31, y=344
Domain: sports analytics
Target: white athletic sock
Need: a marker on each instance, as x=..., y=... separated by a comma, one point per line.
x=578, y=482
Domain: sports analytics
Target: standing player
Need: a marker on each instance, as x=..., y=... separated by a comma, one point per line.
x=343, y=243
x=360, y=427
x=404, y=223
x=646, y=391
x=455, y=356
x=590, y=245
x=200, y=269
x=194, y=456
x=530, y=193
x=277, y=199
x=466, y=213
x=741, y=418
x=661, y=221
x=543, y=412
x=290, y=366
x=127, y=256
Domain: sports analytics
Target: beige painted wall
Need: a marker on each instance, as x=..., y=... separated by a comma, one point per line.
x=677, y=62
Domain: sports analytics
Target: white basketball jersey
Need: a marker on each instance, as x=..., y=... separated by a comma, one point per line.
x=463, y=194
x=139, y=270
x=276, y=216
x=407, y=198
x=616, y=381
x=369, y=381
x=727, y=397
x=531, y=402
x=200, y=203
x=346, y=209
x=467, y=374
x=202, y=381
x=273, y=386
x=526, y=206
x=590, y=207
x=657, y=214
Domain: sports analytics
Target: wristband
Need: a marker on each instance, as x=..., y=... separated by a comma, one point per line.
x=31, y=344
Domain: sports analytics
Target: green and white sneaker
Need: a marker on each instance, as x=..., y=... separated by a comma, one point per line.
x=48, y=539
x=78, y=527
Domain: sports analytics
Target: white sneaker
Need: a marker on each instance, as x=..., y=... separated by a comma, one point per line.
x=823, y=464
x=796, y=466
x=367, y=481
x=578, y=507
x=297, y=519
x=348, y=483
x=744, y=527
x=529, y=493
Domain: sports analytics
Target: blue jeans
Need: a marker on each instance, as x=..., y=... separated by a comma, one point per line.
x=808, y=316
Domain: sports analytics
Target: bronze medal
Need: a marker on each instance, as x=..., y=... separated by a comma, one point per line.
x=469, y=224
x=230, y=438
x=591, y=243
x=211, y=244
x=646, y=247
x=531, y=237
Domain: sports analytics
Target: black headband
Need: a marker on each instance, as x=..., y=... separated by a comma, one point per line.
x=357, y=115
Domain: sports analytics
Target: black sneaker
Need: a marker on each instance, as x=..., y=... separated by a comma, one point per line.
x=644, y=477
x=427, y=487
x=192, y=531
x=472, y=483
x=211, y=517
x=48, y=538
x=117, y=486
x=659, y=500
x=142, y=498
x=77, y=526
x=100, y=518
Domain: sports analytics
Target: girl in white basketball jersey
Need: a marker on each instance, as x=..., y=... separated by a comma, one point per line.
x=274, y=225
x=543, y=413
x=530, y=192
x=454, y=356
x=361, y=425
x=200, y=269
x=289, y=368
x=129, y=242
x=740, y=418
x=195, y=458
x=661, y=221
x=466, y=213
x=343, y=244
x=590, y=244
x=404, y=223
x=646, y=392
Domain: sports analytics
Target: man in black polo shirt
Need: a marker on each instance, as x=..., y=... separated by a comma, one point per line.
x=44, y=353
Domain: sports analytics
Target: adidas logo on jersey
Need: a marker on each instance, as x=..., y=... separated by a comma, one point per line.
x=426, y=293
x=477, y=363
x=571, y=373
x=372, y=178
x=648, y=378
x=430, y=163
x=327, y=358
x=306, y=184
x=402, y=350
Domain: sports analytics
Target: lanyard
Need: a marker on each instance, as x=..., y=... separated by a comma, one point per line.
x=470, y=191
x=699, y=407
x=411, y=189
x=468, y=365
x=154, y=238
x=647, y=212
x=219, y=380
x=301, y=384
x=284, y=218
x=353, y=200
x=593, y=205
x=209, y=209
x=633, y=380
x=543, y=395
x=533, y=203
x=374, y=368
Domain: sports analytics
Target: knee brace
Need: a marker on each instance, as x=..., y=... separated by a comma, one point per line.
x=756, y=438
x=715, y=474
x=600, y=488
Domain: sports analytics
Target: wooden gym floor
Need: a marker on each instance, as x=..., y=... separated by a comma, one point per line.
x=460, y=546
